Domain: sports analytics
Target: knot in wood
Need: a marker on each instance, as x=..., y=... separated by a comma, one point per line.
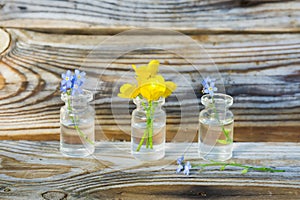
x=54, y=195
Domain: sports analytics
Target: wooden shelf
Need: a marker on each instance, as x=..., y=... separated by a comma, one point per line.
x=37, y=170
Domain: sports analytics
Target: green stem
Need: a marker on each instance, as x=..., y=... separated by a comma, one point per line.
x=145, y=131
x=82, y=135
x=151, y=125
x=245, y=167
x=148, y=121
x=142, y=140
x=226, y=133
x=148, y=132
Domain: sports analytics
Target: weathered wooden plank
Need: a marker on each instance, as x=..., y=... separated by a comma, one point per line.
x=261, y=72
x=37, y=170
x=112, y=16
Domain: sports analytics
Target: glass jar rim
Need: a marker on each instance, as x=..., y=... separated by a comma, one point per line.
x=227, y=99
x=139, y=100
x=86, y=94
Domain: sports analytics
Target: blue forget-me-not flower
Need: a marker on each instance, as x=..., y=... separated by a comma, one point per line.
x=72, y=83
x=209, y=86
x=183, y=166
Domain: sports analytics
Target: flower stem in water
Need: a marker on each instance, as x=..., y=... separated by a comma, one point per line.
x=82, y=135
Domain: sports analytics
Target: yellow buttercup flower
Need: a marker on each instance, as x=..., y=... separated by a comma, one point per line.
x=150, y=85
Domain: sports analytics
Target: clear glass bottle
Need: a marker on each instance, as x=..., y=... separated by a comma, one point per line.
x=148, y=130
x=216, y=128
x=77, y=125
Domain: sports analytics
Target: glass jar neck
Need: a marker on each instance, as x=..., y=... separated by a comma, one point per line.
x=219, y=102
x=143, y=104
x=78, y=102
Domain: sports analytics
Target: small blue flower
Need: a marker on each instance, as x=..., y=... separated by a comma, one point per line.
x=79, y=77
x=206, y=81
x=180, y=160
x=209, y=86
x=72, y=83
x=76, y=88
x=187, y=168
x=66, y=81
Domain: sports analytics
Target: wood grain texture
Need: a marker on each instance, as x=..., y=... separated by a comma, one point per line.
x=37, y=170
x=4, y=41
x=261, y=72
x=111, y=16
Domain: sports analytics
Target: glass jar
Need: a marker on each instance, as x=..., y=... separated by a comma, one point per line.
x=215, y=138
x=148, y=130
x=77, y=126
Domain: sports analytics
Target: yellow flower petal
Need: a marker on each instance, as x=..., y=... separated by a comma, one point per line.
x=153, y=67
x=158, y=78
x=141, y=72
x=128, y=91
x=170, y=87
x=146, y=72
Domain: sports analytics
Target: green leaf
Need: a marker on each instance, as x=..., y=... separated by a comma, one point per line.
x=222, y=141
x=222, y=168
x=244, y=171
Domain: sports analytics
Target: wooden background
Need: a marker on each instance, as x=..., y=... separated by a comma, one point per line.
x=255, y=44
